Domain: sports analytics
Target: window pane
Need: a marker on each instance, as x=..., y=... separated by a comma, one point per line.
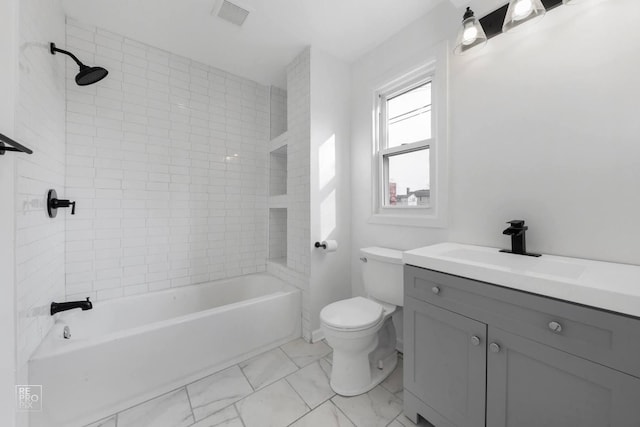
x=408, y=179
x=409, y=116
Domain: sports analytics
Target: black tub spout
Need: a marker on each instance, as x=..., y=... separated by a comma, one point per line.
x=57, y=307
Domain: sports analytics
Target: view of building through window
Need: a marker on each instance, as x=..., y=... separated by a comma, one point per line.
x=409, y=179
x=408, y=123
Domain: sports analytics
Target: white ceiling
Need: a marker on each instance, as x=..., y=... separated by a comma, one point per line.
x=273, y=34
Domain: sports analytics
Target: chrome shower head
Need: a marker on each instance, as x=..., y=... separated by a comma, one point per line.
x=87, y=75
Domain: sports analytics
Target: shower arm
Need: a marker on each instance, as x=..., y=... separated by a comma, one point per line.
x=54, y=49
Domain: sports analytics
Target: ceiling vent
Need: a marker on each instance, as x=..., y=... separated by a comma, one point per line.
x=231, y=12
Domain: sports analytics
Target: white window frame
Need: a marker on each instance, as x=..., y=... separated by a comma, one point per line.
x=384, y=153
x=433, y=215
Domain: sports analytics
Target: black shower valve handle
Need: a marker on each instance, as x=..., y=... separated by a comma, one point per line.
x=53, y=204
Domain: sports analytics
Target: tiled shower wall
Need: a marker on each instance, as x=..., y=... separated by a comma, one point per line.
x=297, y=269
x=167, y=161
x=278, y=102
x=39, y=125
x=277, y=234
x=298, y=171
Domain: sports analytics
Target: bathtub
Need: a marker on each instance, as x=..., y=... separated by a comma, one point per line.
x=128, y=350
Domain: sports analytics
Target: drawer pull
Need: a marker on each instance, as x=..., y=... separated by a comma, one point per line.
x=435, y=290
x=495, y=348
x=555, y=327
x=475, y=340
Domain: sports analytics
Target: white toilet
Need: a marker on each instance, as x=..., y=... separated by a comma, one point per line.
x=360, y=330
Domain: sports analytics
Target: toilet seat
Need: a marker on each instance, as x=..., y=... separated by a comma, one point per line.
x=353, y=314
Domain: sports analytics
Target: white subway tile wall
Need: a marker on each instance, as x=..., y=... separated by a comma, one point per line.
x=39, y=125
x=298, y=171
x=167, y=160
x=278, y=111
x=278, y=172
x=278, y=234
x=298, y=269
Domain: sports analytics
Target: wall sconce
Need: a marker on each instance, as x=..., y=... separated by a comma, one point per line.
x=504, y=19
x=471, y=34
x=521, y=11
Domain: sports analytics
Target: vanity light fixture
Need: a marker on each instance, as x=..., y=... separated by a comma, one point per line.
x=470, y=35
x=521, y=11
x=501, y=20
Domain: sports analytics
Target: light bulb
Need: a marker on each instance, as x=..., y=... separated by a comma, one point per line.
x=522, y=9
x=469, y=35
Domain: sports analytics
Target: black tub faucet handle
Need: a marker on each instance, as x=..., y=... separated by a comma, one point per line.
x=53, y=204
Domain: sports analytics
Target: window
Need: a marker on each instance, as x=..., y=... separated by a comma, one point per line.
x=405, y=129
x=409, y=161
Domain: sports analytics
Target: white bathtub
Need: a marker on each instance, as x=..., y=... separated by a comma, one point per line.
x=131, y=349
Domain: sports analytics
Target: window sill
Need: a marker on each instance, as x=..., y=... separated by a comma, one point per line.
x=408, y=220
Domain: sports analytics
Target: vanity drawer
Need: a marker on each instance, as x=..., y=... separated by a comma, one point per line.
x=597, y=335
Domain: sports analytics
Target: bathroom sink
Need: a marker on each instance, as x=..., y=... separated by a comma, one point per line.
x=517, y=263
x=605, y=285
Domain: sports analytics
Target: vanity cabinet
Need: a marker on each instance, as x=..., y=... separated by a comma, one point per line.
x=447, y=349
x=478, y=354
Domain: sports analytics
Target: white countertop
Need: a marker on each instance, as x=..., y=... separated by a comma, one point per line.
x=605, y=285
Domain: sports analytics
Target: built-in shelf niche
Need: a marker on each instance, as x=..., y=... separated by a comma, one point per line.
x=278, y=199
x=278, y=172
x=278, y=235
x=278, y=113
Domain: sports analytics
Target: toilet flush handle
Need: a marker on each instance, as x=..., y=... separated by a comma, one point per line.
x=363, y=259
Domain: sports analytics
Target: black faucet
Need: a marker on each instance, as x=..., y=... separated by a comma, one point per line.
x=64, y=306
x=517, y=231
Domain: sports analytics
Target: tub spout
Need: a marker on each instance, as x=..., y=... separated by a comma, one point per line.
x=57, y=307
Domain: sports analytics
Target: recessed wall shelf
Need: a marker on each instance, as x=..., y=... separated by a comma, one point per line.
x=278, y=235
x=279, y=202
x=278, y=171
x=14, y=146
x=278, y=142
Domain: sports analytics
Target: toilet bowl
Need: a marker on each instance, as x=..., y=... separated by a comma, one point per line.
x=360, y=330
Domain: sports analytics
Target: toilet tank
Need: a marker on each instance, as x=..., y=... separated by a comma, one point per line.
x=382, y=274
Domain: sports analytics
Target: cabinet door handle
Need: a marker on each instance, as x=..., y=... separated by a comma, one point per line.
x=475, y=340
x=494, y=347
x=555, y=327
x=435, y=290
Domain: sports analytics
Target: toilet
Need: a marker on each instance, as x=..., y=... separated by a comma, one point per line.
x=360, y=330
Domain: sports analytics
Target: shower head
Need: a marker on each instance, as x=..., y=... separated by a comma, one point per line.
x=87, y=75
x=90, y=75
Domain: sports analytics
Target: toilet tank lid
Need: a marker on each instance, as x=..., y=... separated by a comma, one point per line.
x=393, y=256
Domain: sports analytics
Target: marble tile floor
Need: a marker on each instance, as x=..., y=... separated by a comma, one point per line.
x=286, y=386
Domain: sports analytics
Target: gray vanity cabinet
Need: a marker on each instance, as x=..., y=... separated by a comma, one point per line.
x=447, y=349
x=533, y=385
x=479, y=355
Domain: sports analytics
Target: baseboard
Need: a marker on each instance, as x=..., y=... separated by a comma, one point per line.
x=317, y=335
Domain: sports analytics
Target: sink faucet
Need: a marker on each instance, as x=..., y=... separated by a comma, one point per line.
x=64, y=306
x=517, y=231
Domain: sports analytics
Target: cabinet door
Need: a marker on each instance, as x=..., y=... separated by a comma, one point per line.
x=445, y=364
x=532, y=385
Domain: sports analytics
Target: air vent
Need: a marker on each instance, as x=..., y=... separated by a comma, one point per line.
x=233, y=13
